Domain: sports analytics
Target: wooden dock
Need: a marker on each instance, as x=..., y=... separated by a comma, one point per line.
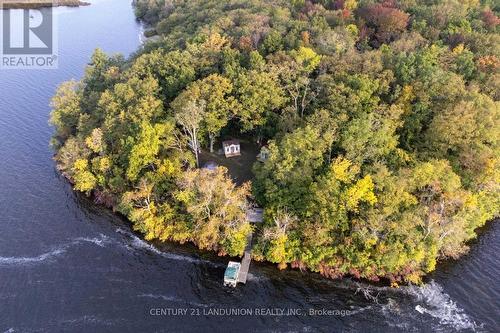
x=245, y=262
x=254, y=215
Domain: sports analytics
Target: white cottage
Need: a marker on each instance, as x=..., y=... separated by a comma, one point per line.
x=231, y=148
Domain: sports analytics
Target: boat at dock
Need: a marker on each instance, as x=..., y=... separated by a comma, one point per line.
x=254, y=215
x=232, y=273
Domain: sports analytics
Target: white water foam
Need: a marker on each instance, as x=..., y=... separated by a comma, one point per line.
x=163, y=297
x=432, y=299
x=58, y=251
x=29, y=260
x=140, y=244
x=173, y=299
x=90, y=319
x=357, y=310
x=439, y=305
x=101, y=241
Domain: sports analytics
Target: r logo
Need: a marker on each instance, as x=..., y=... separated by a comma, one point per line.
x=27, y=31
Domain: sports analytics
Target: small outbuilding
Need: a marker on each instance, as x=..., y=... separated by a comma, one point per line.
x=264, y=154
x=231, y=148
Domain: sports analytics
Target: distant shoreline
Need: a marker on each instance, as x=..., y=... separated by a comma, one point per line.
x=35, y=4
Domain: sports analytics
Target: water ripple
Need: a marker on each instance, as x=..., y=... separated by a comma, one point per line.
x=139, y=244
x=439, y=305
x=101, y=240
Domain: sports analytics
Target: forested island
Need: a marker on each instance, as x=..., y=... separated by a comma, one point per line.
x=379, y=121
x=36, y=4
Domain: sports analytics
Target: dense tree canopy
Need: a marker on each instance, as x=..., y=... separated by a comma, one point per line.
x=382, y=120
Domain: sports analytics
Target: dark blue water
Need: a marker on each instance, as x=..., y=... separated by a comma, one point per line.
x=68, y=265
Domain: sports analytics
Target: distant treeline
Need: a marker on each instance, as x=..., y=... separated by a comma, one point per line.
x=35, y=4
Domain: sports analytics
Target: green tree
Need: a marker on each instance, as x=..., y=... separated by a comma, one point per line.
x=258, y=94
x=215, y=91
x=65, y=111
x=217, y=209
x=283, y=180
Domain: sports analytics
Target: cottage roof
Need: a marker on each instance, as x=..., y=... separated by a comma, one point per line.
x=231, y=142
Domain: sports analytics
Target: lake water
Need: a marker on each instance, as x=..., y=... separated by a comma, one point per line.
x=68, y=265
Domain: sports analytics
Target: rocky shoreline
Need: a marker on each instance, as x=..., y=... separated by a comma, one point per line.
x=35, y=4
